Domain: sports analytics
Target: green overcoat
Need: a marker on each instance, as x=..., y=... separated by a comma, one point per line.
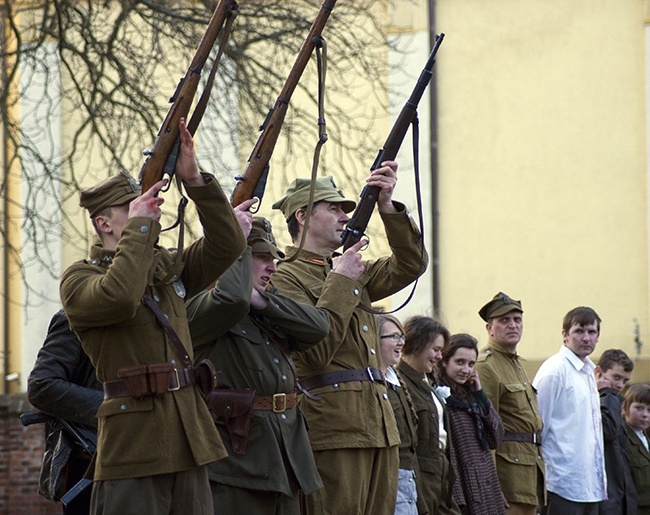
x=102, y=299
x=226, y=329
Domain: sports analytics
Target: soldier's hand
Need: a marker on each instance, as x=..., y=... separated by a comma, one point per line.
x=148, y=204
x=385, y=178
x=349, y=263
x=244, y=216
x=187, y=169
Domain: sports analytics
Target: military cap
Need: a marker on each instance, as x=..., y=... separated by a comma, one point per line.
x=499, y=305
x=297, y=195
x=261, y=238
x=115, y=190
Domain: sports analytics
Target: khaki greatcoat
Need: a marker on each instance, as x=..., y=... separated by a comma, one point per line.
x=102, y=298
x=520, y=465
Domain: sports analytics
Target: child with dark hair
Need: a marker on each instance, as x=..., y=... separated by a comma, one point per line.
x=636, y=411
x=476, y=428
x=613, y=371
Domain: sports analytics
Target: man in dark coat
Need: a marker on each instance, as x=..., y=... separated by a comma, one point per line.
x=613, y=371
x=63, y=384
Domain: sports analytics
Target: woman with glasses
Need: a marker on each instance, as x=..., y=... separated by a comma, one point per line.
x=391, y=341
x=424, y=339
x=476, y=428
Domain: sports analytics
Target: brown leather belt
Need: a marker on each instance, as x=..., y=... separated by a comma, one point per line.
x=277, y=403
x=343, y=376
x=179, y=379
x=535, y=438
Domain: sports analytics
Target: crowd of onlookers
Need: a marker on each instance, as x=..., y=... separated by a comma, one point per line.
x=490, y=441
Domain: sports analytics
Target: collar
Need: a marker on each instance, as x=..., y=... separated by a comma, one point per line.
x=501, y=349
x=99, y=255
x=391, y=376
x=586, y=366
x=309, y=256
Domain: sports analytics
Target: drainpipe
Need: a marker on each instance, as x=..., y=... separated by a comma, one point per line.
x=433, y=149
x=5, y=208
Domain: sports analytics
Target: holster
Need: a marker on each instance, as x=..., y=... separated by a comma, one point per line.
x=235, y=407
x=206, y=377
x=146, y=380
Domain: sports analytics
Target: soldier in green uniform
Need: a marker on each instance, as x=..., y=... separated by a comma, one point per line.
x=519, y=461
x=249, y=330
x=352, y=428
x=155, y=435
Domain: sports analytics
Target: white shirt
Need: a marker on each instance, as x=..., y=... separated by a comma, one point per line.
x=642, y=437
x=572, y=438
x=442, y=433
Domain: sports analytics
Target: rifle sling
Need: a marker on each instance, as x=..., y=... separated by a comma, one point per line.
x=416, y=170
x=172, y=336
x=321, y=60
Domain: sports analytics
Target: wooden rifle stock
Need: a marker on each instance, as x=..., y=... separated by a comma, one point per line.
x=358, y=223
x=161, y=159
x=253, y=181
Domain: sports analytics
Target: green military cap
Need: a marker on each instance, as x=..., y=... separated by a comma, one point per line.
x=297, y=195
x=115, y=190
x=499, y=305
x=261, y=238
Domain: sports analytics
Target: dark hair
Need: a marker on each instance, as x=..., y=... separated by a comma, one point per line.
x=293, y=227
x=581, y=316
x=613, y=357
x=637, y=393
x=456, y=341
x=420, y=331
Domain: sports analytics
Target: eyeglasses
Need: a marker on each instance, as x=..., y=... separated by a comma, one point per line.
x=396, y=337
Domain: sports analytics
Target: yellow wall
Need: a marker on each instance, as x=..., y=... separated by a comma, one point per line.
x=543, y=165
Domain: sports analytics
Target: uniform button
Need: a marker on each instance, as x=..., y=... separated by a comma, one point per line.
x=123, y=407
x=144, y=229
x=516, y=460
x=156, y=298
x=276, y=360
x=283, y=417
x=95, y=262
x=373, y=351
x=243, y=331
x=539, y=457
x=335, y=385
x=525, y=383
x=284, y=378
x=517, y=387
x=268, y=342
x=173, y=362
x=364, y=328
x=356, y=292
x=385, y=396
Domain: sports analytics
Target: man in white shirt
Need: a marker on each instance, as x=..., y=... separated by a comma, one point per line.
x=572, y=438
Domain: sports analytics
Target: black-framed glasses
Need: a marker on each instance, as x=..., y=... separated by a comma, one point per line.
x=396, y=337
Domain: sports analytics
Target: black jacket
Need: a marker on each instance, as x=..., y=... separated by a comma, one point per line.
x=63, y=384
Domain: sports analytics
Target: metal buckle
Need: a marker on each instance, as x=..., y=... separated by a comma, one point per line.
x=178, y=382
x=276, y=398
x=369, y=372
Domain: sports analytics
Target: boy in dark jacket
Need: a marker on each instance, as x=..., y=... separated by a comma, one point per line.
x=613, y=371
x=636, y=410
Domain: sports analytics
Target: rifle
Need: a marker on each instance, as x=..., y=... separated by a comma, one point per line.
x=161, y=160
x=83, y=437
x=253, y=182
x=358, y=223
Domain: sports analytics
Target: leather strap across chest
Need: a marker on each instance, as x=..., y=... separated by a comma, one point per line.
x=343, y=376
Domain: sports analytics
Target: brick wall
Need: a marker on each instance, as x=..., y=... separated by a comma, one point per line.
x=21, y=450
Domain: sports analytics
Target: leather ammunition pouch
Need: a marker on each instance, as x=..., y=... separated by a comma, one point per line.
x=235, y=407
x=205, y=374
x=146, y=380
